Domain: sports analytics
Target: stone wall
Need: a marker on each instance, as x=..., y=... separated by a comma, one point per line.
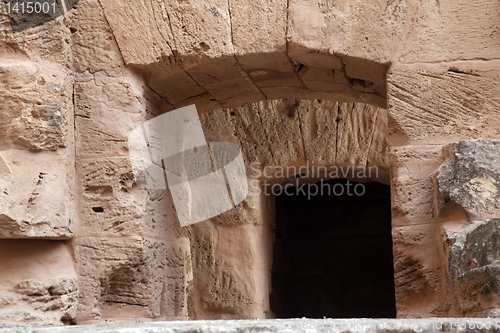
x=82, y=243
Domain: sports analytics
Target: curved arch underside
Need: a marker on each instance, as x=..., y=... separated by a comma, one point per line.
x=229, y=53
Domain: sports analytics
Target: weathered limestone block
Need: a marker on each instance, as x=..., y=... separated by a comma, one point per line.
x=232, y=271
x=470, y=179
x=112, y=204
x=277, y=134
x=361, y=37
x=228, y=294
x=132, y=276
x=412, y=169
x=474, y=269
x=443, y=104
x=50, y=295
x=38, y=282
x=108, y=108
x=417, y=272
x=36, y=112
x=36, y=195
x=476, y=33
x=124, y=18
x=92, y=42
x=35, y=36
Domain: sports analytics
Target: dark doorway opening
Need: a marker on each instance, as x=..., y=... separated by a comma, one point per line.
x=333, y=254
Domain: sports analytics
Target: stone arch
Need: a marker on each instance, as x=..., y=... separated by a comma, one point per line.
x=230, y=53
x=232, y=252
x=434, y=65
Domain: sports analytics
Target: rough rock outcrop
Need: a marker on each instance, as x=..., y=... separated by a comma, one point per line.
x=470, y=179
x=474, y=268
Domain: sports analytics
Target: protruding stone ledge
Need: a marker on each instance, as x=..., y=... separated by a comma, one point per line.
x=288, y=326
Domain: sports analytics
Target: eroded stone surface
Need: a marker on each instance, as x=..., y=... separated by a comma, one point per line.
x=470, y=178
x=280, y=133
x=35, y=105
x=93, y=45
x=36, y=195
x=38, y=282
x=143, y=277
x=442, y=105
x=474, y=269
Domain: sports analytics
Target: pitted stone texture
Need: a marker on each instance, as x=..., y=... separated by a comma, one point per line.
x=417, y=272
x=476, y=32
x=277, y=134
x=470, y=178
x=112, y=204
x=474, y=268
x=92, y=42
x=36, y=112
x=38, y=283
x=443, y=104
x=108, y=108
x=36, y=195
x=48, y=39
x=134, y=276
x=50, y=295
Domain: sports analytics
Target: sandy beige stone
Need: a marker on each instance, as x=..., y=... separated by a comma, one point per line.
x=412, y=169
x=92, y=42
x=143, y=275
x=417, y=272
x=38, y=282
x=36, y=111
x=108, y=108
x=474, y=26
x=36, y=195
x=441, y=105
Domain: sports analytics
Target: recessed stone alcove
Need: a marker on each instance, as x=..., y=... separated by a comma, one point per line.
x=73, y=88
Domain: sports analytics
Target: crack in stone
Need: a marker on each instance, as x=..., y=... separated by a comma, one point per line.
x=286, y=48
x=161, y=97
x=243, y=71
x=112, y=33
x=158, y=28
x=373, y=134
x=300, y=131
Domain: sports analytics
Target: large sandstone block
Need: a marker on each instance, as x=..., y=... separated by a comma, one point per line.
x=38, y=282
x=93, y=45
x=231, y=270
x=36, y=195
x=412, y=169
x=443, y=104
x=473, y=25
x=470, y=179
x=132, y=276
x=418, y=272
x=108, y=108
x=36, y=112
x=111, y=204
